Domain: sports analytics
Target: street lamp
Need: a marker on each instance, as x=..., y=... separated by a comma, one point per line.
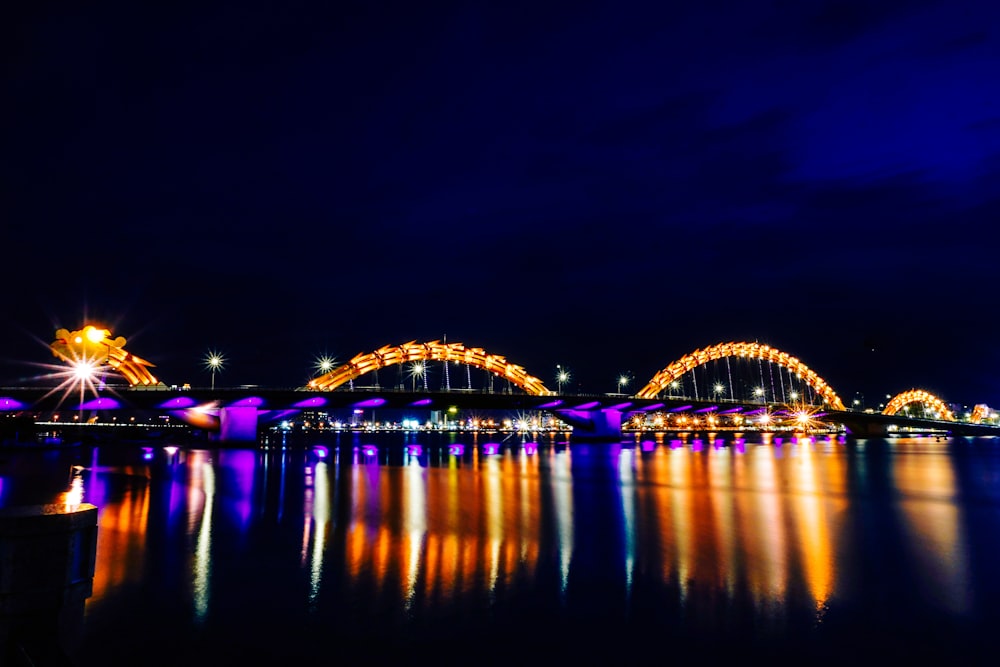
x=214, y=362
x=562, y=377
x=719, y=389
x=324, y=364
x=416, y=370
x=759, y=393
x=622, y=381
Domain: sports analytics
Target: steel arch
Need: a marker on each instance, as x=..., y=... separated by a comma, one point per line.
x=430, y=351
x=740, y=349
x=918, y=396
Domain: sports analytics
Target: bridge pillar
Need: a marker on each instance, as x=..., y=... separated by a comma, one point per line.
x=238, y=424
x=859, y=428
x=593, y=425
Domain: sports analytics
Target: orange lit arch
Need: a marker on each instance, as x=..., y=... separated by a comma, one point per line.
x=746, y=350
x=431, y=351
x=919, y=396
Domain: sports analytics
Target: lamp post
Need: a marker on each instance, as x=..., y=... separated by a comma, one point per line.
x=622, y=381
x=214, y=362
x=416, y=370
x=562, y=377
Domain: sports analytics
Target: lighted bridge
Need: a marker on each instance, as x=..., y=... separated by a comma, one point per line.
x=735, y=384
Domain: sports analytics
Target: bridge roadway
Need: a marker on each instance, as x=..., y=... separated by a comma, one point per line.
x=596, y=416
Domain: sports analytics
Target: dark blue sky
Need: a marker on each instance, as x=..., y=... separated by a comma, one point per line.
x=603, y=185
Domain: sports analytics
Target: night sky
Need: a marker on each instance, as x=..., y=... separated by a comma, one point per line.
x=605, y=186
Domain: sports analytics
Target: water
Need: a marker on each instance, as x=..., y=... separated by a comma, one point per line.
x=447, y=549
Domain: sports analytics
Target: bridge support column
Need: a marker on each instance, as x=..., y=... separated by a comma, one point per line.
x=865, y=429
x=593, y=425
x=238, y=424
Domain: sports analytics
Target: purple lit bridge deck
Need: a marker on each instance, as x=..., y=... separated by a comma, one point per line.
x=237, y=412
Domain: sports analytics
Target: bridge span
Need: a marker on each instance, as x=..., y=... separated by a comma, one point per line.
x=739, y=384
x=238, y=412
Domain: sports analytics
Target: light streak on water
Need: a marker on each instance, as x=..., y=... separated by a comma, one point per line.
x=562, y=494
x=812, y=525
x=934, y=522
x=415, y=524
x=321, y=521
x=626, y=476
x=203, y=548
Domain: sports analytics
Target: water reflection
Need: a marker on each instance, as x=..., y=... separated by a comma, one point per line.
x=696, y=535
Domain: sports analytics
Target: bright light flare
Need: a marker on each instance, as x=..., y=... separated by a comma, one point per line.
x=215, y=361
x=324, y=364
x=83, y=370
x=95, y=335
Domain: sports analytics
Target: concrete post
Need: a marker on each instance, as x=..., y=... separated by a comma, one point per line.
x=597, y=425
x=47, y=559
x=238, y=424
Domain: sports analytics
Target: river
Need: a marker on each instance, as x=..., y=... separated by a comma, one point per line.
x=489, y=548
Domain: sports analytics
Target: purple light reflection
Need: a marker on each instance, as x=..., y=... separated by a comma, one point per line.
x=648, y=445
x=710, y=408
x=314, y=402
x=238, y=467
x=696, y=445
x=676, y=444
x=551, y=404
x=370, y=403
x=619, y=406
x=654, y=406
x=101, y=404
x=10, y=404
x=731, y=411
x=422, y=401
x=414, y=450
x=248, y=402
x=321, y=451
x=530, y=448
x=741, y=445
x=490, y=448
x=178, y=403
x=369, y=450
x=147, y=453
x=456, y=450
x=587, y=406
x=681, y=408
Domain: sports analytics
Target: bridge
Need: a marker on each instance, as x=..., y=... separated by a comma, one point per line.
x=744, y=385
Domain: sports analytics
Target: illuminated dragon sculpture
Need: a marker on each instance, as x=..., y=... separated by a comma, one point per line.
x=929, y=400
x=94, y=345
x=746, y=350
x=430, y=351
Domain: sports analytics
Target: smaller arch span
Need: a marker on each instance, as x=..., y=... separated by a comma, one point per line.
x=412, y=351
x=899, y=401
x=702, y=356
